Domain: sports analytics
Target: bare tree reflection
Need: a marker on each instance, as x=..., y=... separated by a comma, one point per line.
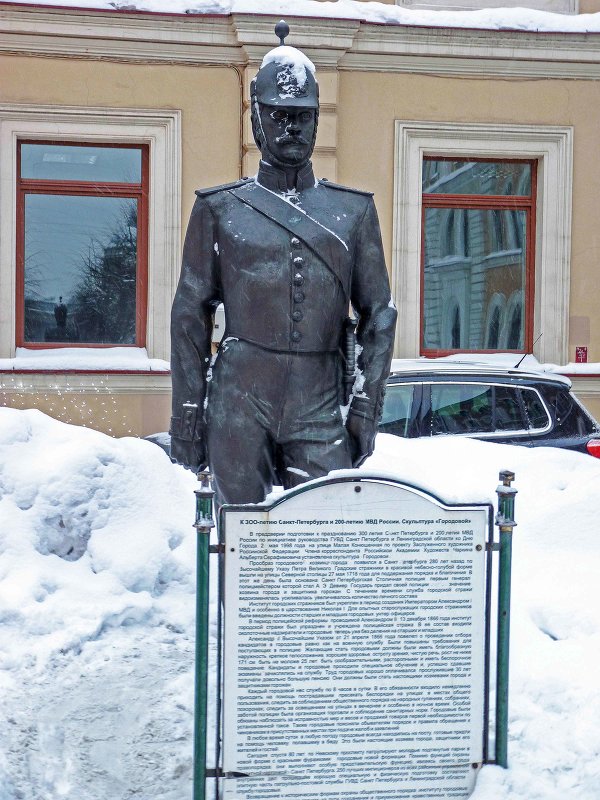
x=104, y=300
x=80, y=280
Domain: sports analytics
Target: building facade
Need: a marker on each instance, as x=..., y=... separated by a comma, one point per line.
x=479, y=145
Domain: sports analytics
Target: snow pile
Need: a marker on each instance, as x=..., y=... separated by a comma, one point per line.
x=523, y=19
x=129, y=359
x=96, y=603
x=554, y=743
x=97, y=606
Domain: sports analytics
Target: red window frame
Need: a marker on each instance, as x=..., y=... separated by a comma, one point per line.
x=138, y=191
x=485, y=202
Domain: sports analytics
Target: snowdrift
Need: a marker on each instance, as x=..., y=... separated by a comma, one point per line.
x=97, y=604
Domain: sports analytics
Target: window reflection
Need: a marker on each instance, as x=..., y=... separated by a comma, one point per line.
x=493, y=337
x=476, y=177
x=515, y=329
x=475, y=408
x=63, y=162
x=474, y=278
x=80, y=266
x=461, y=408
x=397, y=409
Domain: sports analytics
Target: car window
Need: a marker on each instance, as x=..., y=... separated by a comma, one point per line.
x=396, y=409
x=461, y=408
x=586, y=423
x=570, y=418
x=535, y=410
x=508, y=410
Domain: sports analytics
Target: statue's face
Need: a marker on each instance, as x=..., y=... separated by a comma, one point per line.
x=289, y=133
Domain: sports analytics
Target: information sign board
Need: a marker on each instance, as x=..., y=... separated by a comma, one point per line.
x=354, y=640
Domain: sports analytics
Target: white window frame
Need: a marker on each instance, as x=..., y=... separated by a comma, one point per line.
x=160, y=130
x=552, y=147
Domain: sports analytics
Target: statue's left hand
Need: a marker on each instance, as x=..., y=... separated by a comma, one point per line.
x=190, y=454
x=362, y=432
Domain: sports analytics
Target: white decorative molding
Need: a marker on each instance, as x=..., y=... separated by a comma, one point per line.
x=349, y=44
x=158, y=128
x=66, y=383
x=552, y=147
x=460, y=51
x=77, y=33
x=472, y=66
x=323, y=40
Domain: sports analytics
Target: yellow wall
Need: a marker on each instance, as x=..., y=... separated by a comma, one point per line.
x=589, y=6
x=209, y=98
x=590, y=401
x=210, y=101
x=115, y=414
x=366, y=149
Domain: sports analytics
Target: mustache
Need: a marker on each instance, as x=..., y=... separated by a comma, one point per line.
x=287, y=139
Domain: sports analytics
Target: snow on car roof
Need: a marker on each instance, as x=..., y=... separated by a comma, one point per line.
x=452, y=366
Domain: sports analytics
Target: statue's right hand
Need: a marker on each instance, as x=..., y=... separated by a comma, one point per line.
x=190, y=454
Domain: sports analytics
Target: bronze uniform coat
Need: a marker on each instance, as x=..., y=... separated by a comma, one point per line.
x=285, y=266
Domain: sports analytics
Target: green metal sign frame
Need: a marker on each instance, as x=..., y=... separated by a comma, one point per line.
x=506, y=522
x=204, y=525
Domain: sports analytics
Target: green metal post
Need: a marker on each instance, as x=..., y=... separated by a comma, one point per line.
x=506, y=522
x=203, y=524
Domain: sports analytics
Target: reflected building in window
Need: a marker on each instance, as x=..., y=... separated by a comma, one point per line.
x=476, y=250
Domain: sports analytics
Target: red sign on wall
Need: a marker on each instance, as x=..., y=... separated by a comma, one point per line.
x=581, y=355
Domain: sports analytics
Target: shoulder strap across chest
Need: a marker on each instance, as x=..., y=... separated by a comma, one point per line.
x=330, y=248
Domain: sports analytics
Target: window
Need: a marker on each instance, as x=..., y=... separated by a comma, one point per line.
x=537, y=415
x=157, y=130
x=477, y=255
x=461, y=408
x=82, y=212
x=550, y=147
x=397, y=409
x=471, y=408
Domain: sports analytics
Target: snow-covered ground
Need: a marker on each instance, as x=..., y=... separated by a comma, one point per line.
x=97, y=605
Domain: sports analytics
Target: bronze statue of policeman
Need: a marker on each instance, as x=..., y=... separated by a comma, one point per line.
x=287, y=255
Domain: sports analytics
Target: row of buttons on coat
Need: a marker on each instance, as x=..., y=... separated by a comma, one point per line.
x=298, y=280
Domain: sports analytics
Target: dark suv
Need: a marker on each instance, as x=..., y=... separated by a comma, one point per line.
x=512, y=406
